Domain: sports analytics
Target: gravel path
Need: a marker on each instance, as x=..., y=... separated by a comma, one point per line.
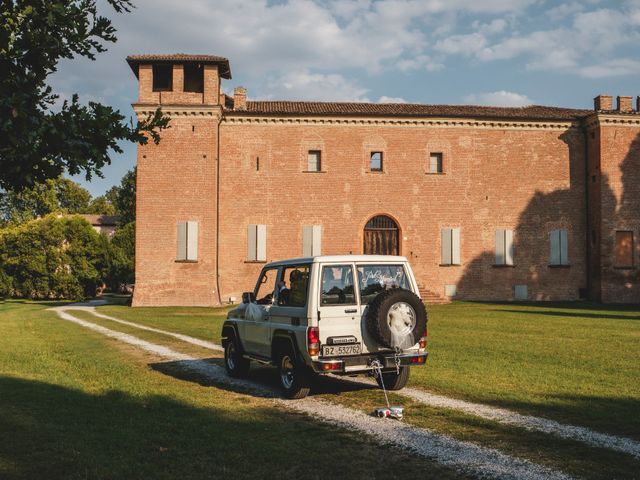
x=465, y=457
x=500, y=415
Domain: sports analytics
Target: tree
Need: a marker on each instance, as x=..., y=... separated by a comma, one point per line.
x=51, y=258
x=101, y=206
x=37, y=142
x=55, y=195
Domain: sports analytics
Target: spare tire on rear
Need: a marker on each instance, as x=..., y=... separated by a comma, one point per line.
x=396, y=318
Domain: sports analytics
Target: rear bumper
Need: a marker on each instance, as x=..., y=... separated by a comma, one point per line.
x=362, y=363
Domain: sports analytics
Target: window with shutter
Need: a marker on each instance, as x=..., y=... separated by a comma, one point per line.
x=257, y=243
x=187, y=241
x=311, y=240
x=450, y=246
x=504, y=247
x=559, y=251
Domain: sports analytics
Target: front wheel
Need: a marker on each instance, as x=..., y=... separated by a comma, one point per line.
x=394, y=380
x=234, y=363
x=294, y=377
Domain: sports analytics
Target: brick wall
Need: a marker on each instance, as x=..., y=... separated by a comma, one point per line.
x=619, y=209
x=527, y=180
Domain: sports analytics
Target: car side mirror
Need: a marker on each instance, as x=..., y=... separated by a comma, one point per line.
x=248, y=297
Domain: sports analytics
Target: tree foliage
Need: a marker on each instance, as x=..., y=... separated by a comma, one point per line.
x=55, y=195
x=39, y=141
x=51, y=258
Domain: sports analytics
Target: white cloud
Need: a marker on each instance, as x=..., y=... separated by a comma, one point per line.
x=612, y=68
x=385, y=99
x=462, y=44
x=304, y=85
x=501, y=98
x=564, y=10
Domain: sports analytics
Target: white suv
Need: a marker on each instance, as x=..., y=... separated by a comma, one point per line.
x=342, y=315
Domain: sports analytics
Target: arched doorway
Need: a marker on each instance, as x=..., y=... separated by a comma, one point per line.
x=381, y=236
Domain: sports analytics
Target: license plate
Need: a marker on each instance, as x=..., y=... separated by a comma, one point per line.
x=337, y=350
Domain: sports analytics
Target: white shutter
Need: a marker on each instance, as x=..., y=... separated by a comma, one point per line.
x=192, y=241
x=508, y=247
x=564, y=248
x=554, y=245
x=500, y=251
x=261, y=243
x=251, y=242
x=445, y=246
x=455, y=246
x=316, y=249
x=307, y=240
x=181, y=253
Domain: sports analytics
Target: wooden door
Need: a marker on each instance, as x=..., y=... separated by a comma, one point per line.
x=381, y=236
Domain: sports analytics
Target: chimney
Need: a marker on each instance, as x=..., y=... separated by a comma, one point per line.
x=240, y=98
x=624, y=104
x=603, y=102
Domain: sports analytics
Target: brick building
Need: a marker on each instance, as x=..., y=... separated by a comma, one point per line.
x=538, y=203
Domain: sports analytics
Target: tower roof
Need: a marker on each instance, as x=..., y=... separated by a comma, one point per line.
x=222, y=62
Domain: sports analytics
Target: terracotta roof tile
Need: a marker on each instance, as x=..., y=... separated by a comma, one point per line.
x=222, y=62
x=533, y=112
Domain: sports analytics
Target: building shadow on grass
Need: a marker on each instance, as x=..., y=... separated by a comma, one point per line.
x=54, y=432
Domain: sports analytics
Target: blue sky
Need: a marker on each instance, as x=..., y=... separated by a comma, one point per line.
x=490, y=52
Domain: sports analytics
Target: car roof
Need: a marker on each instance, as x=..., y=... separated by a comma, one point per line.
x=339, y=259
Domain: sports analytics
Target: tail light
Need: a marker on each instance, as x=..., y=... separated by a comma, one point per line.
x=313, y=341
x=423, y=340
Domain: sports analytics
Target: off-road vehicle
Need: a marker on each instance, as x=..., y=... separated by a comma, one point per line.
x=342, y=315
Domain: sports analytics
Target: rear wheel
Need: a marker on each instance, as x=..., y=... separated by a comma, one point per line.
x=294, y=377
x=394, y=380
x=234, y=363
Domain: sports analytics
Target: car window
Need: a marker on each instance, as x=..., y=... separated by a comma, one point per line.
x=293, y=286
x=372, y=279
x=266, y=286
x=337, y=286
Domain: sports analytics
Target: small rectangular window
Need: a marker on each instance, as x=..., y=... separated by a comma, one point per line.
x=450, y=246
x=311, y=240
x=337, y=286
x=558, y=247
x=504, y=247
x=187, y=242
x=376, y=162
x=314, y=161
x=162, y=78
x=624, y=249
x=193, y=78
x=435, y=163
x=257, y=243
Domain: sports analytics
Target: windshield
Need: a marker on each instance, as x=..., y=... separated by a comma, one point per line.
x=375, y=278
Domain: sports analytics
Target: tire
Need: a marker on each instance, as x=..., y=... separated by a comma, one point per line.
x=396, y=318
x=235, y=365
x=393, y=380
x=294, y=377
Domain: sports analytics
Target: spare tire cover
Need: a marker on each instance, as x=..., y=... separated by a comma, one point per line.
x=396, y=318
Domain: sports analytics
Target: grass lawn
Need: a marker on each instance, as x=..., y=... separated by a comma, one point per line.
x=576, y=363
x=74, y=404
x=75, y=391
x=573, y=362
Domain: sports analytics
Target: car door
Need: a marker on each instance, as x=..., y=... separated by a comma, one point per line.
x=289, y=312
x=255, y=334
x=339, y=324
